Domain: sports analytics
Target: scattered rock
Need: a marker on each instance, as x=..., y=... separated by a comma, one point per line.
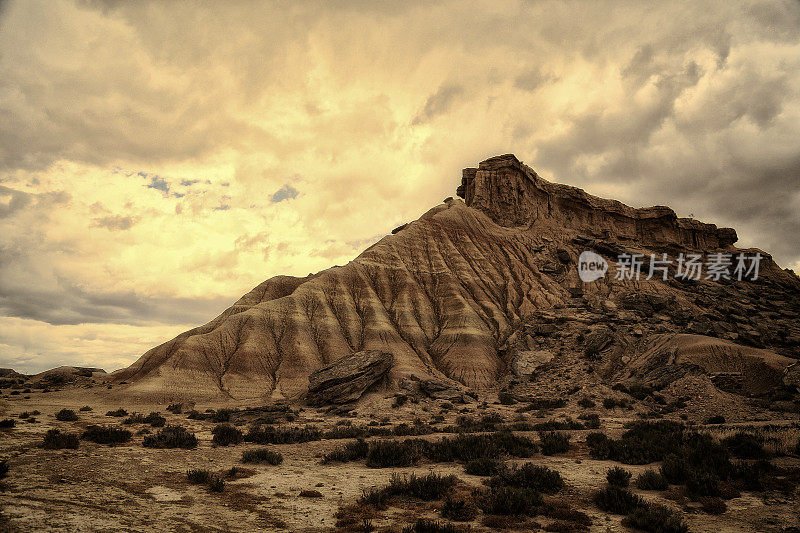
x=526, y=362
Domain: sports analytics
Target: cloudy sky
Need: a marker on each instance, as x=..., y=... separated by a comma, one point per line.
x=159, y=159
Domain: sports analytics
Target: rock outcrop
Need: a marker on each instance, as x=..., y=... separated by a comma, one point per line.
x=345, y=380
x=456, y=294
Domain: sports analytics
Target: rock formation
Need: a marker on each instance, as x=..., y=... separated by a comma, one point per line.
x=346, y=379
x=457, y=295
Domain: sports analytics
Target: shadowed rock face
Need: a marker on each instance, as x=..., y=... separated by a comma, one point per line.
x=453, y=295
x=345, y=380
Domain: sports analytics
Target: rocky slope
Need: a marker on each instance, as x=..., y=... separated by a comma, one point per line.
x=473, y=286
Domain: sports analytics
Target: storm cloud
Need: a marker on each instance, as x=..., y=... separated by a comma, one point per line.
x=146, y=157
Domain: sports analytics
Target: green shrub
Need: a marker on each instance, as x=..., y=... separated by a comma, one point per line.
x=352, y=451
x=510, y=500
x=618, y=477
x=198, y=477
x=262, y=455
x=745, y=446
x=55, y=440
x=553, y=443
x=226, y=434
x=535, y=477
x=106, y=434
x=460, y=510
x=484, y=466
x=651, y=480
x=171, y=437
x=616, y=500
x=656, y=519
x=66, y=415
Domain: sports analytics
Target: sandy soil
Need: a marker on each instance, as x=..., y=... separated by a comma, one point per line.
x=133, y=488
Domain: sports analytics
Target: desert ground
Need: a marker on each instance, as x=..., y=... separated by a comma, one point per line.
x=130, y=487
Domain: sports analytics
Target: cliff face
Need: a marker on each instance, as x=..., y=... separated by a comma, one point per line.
x=448, y=295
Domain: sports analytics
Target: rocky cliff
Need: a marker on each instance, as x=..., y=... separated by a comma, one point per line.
x=460, y=292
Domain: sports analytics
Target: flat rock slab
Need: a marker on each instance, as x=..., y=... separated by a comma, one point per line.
x=345, y=380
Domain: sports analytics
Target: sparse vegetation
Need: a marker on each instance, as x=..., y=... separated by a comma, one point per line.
x=7, y=423
x=484, y=466
x=554, y=442
x=226, y=434
x=55, y=440
x=106, y=435
x=656, y=519
x=352, y=451
x=262, y=455
x=118, y=413
x=3, y=468
x=425, y=525
x=154, y=419
x=171, y=437
x=459, y=509
x=535, y=477
x=66, y=415
x=85, y=408
x=266, y=434
x=198, y=476
x=651, y=480
x=618, y=477
x=745, y=446
x=617, y=500
x=511, y=500
x=216, y=484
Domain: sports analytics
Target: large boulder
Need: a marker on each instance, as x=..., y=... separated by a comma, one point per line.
x=525, y=362
x=345, y=380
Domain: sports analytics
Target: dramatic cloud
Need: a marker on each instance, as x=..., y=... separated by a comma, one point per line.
x=146, y=156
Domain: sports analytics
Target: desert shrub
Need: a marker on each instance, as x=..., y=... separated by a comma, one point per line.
x=198, y=476
x=216, y=484
x=553, y=442
x=389, y=453
x=535, y=477
x=600, y=446
x=797, y=447
x=7, y=423
x=223, y=415
x=557, y=425
x=226, y=434
x=510, y=500
x=262, y=455
x=375, y=497
x=460, y=510
x=266, y=434
x=431, y=486
x=586, y=403
x=197, y=415
x=346, y=432
x=175, y=408
x=3, y=468
x=154, y=419
x=618, y=477
x=425, y=525
x=118, y=413
x=66, y=415
x=651, y=480
x=675, y=469
x=617, y=500
x=713, y=506
x=534, y=404
x=506, y=398
x=745, y=446
x=352, y=451
x=171, y=437
x=570, y=517
x=24, y=414
x=484, y=466
x=591, y=420
x=399, y=400
x=310, y=493
x=655, y=518
x=106, y=434
x=702, y=484
x=55, y=440
x=85, y=408
x=716, y=419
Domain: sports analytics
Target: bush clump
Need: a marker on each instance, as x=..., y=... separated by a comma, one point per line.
x=716, y=419
x=267, y=434
x=535, y=477
x=226, y=434
x=656, y=519
x=618, y=477
x=352, y=451
x=216, y=484
x=55, y=440
x=586, y=403
x=459, y=509
x=106, y=435
x=554, y=442
x=426, y=525
x=510, y=500
x=154, y=419
x=7, y=423
x=3, y=468
x=118, y=413
x=262, y=455
x=484, y=466
x=431, y=486
x=66, y=415
x=198, y=476
x=616, y=500
x=651, y=480
x=745, y=446
x=85, y=408
x=171, y=437
x=390, y=453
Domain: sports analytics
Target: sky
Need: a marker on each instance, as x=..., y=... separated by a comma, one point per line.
x=159, y=159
